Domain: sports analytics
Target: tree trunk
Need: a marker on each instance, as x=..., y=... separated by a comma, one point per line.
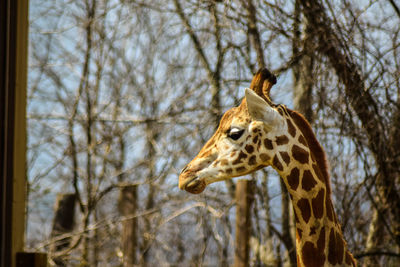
x=253, y=34
x=244, y=198
x=127, y=206
x=303, y=71
x=63, y=224
x=374, y=239
x=366, y=108
x=286, y=233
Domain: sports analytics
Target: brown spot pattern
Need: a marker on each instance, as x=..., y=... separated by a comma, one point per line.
x=229, y=171
x=302, y=140
x=321, y=239
x=308, y=182
x=252, y=160
x=304, y=206
x=300, y=154
x=317, y=204
x=329, y=209
x=311, y=256
x=314, y=256
x=299, y=232
x=336, y=248
x=249, y=149
x=268, y=143
x=281, y=140
x=318, y=173
x=285, y=157
x=291, y=128
x=282, y=110
x=293, y=178
x=312, y=157
x=240, y=169
x=241, y=156
x=312, y=230
x=255, y=139
x=264, y=157
x=277, y=164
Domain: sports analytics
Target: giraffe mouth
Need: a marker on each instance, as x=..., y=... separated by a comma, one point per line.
x=194, y=185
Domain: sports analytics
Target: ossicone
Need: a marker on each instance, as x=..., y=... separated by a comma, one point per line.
x=262, y=83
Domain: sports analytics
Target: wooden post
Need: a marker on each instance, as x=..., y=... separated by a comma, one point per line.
x=244, y=198
x=63, y=223
x=127, y=205
x=13, y=79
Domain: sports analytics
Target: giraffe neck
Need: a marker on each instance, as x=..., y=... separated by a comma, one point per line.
x=319, y=240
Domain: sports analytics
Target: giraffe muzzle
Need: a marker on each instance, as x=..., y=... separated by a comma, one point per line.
x=189, y=180
x=192, y=185
x=195, y=186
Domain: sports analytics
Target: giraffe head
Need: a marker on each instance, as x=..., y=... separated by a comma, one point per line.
x=258, y=133
x=243, y=141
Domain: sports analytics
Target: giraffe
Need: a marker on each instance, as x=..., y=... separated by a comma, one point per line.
x=259, y=133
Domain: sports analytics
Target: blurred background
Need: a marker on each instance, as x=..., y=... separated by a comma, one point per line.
x=122, y=94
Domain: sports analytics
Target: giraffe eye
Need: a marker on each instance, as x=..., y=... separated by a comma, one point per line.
x=235, y=133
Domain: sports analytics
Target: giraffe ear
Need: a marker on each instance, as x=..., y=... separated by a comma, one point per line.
x=260, y=110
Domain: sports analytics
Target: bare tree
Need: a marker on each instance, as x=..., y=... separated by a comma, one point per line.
x=123, y=93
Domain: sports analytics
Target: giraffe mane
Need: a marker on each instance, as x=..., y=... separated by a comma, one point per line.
x=313, y=144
